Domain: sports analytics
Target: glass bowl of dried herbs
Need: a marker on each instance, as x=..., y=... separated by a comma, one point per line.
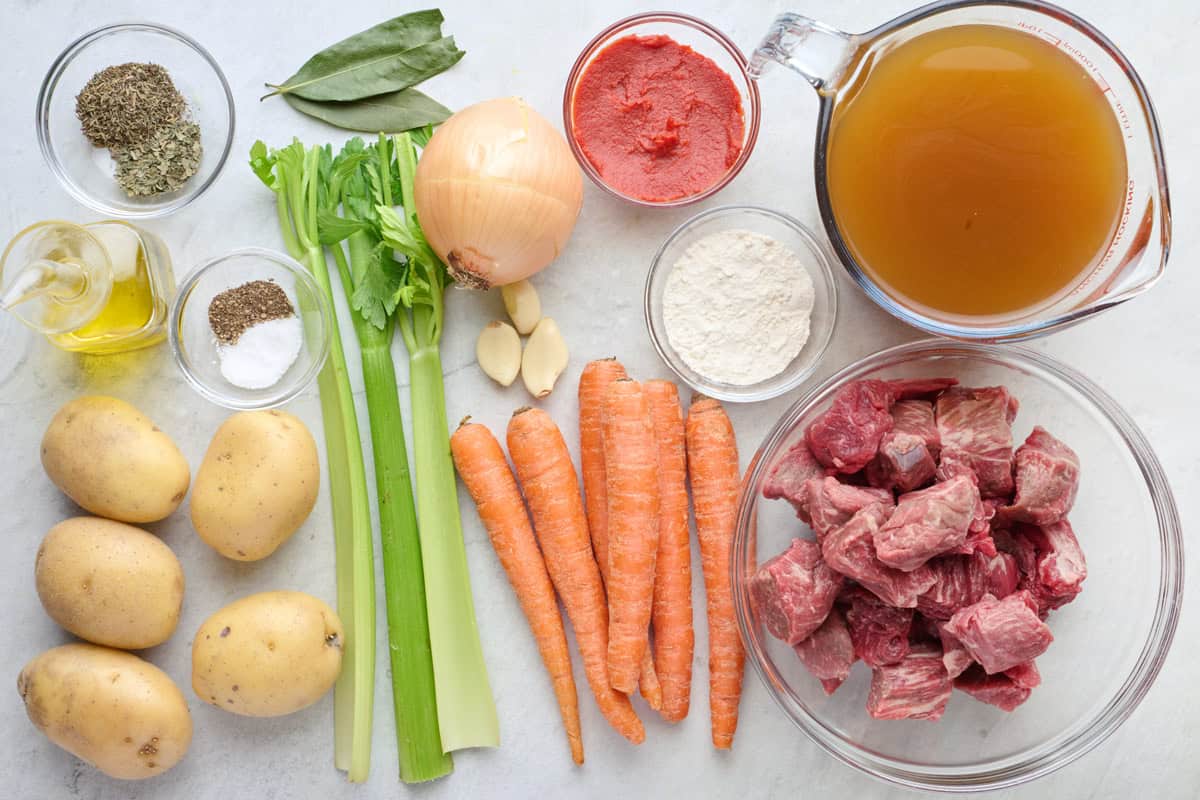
x=135, y=120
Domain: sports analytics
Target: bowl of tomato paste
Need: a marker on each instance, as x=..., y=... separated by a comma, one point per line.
x=659, y=110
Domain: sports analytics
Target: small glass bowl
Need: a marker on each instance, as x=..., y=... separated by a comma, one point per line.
x=195, y=348
x=788, y=232
x=87, y=172
x=704, y=39
x=1110, y=642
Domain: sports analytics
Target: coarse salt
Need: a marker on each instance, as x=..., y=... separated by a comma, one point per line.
x=263, y=353
x=737, y=306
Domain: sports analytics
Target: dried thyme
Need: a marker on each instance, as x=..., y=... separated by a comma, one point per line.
x=126, y=103
x=160, y=164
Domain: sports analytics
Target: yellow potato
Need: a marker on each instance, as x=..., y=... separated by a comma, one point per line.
x=257, y=484
x=268, y=654
x=114, y=462
x=119, y=713
x=109, y=583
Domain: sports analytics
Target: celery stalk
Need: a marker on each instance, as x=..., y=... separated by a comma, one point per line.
x=466, y=709
x=291, y=173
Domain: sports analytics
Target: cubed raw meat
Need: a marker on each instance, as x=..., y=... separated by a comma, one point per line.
x=831, y=504
x=794, y=591
x=850, y=550
x=1006, y=690
x=907, y=457
x=976, y=430
x=1000, y=634
x=828, y=652
x=1047, y=478
x=878, y=631
x=846, y=436
x=927, y=523
x=979, y=532
x=964, y=580
x=1051, y=562
x=787, y=478
x=915, y=688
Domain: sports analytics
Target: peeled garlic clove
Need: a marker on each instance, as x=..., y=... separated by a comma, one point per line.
x=522, y=304
x=544, y=359
x=498, y=351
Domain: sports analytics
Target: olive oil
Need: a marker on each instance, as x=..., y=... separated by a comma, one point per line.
x=980, y=171
x=98, y=288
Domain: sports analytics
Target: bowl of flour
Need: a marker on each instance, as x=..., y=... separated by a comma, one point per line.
x=741, y=302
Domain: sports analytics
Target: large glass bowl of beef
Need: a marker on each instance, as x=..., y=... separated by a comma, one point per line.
x=1109, y=643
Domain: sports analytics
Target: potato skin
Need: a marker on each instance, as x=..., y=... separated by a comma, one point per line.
x=109, y=583
x=119, y=713
x=268, y=654
x=114, y=462
x=257, y=484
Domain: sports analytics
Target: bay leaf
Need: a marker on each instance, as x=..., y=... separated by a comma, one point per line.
x=392, y=112
x=390, y=56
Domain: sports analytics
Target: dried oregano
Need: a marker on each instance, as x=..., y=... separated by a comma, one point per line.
x=163, y=163
x=126, y=103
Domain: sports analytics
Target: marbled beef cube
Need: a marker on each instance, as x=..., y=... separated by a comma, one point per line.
x=976, y=431
x=927, y=523
x=955, y=657
x=964, y=580
x=1047, y=478
x=1050, y=560
x=907, y=457
x=1006, y=690
x=828, y=652
x=880, y=633
x=915, y=688
x=850, y=550
x=1000, y=634
x=831, y=504
x=787, y=478
x=794, y=591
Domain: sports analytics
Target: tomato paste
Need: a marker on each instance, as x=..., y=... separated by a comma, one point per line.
x=657, y=120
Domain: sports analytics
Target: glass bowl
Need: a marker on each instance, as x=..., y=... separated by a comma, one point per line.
x=704, y=39
x=195, y=348
x=1109, y=643
x=787, y=231
x=86, y=172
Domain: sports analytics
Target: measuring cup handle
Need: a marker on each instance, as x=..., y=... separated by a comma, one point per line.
x=815, y=50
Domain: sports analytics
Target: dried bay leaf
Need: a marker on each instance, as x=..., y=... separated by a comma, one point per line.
x=388, y=57
x=385, y=113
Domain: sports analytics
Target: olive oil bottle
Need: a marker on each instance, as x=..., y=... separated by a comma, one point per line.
x=97, y=288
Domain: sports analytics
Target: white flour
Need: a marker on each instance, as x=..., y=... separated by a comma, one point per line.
x=736, y=307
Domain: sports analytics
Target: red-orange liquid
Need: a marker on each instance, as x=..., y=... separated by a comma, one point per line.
x=976, y=170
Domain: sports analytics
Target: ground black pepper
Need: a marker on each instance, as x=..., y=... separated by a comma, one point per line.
x=234, y=310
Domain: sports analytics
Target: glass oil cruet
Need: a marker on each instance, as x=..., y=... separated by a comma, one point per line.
x=103, y=287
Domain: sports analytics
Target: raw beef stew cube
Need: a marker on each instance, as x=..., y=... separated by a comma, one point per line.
x=794, y=591
x=976, y=431
x=927, y=523
x=828, y=652
x=1000, y=634
x=915, y=688
x=1047, y=479
x=787, y=478
x=880, y=633
x=850, y=550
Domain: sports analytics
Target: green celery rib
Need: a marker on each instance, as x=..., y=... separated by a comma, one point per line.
x=465, y=708
x=354, y=692
x=413, y=696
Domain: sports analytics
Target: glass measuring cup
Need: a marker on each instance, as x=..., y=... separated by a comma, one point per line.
x=1136, y=255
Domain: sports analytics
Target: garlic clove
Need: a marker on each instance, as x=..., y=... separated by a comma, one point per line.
x=544, y=359
x=498, y=351
x=522, y=304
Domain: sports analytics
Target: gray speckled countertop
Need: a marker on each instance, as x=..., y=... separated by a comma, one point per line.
x=1145, y=354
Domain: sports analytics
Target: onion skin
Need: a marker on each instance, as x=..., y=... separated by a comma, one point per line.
x=497, y=193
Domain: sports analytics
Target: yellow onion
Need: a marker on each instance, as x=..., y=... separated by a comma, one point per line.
x=497, y=193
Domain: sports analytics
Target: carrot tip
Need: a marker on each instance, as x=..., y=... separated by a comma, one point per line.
x=464, y=420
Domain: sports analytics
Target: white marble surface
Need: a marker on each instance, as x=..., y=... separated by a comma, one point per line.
x=1145, y=353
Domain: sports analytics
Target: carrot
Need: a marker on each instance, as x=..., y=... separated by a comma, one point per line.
x=484, y=471
x=648, y=682
x=631, y=467
x=544, y=469
x=674, y=638
x=713, y=469
x=593, y=383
